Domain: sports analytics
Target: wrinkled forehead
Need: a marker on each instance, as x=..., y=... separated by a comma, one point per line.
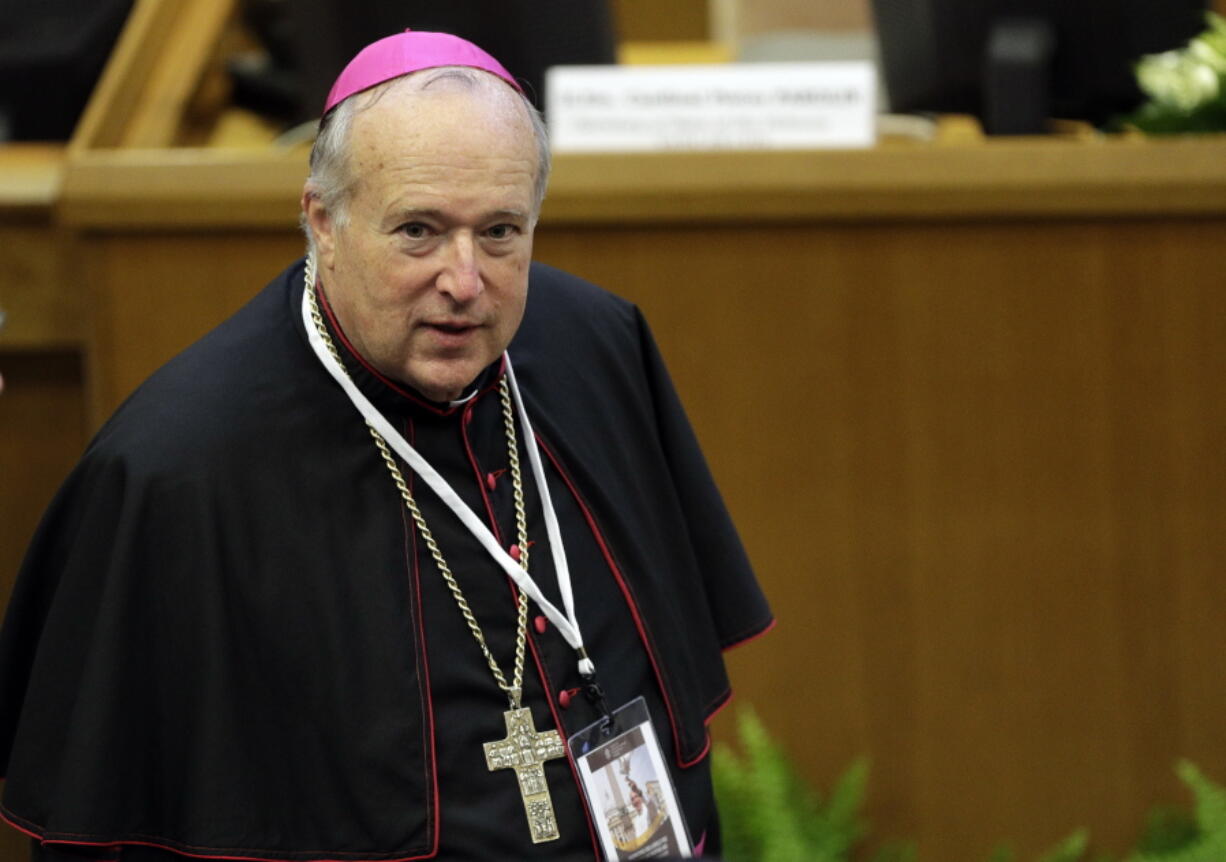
x=435, y=119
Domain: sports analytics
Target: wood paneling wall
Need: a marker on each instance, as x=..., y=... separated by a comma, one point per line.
x=187, y=284
x=42, y=432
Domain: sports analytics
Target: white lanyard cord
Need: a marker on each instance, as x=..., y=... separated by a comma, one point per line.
x=567, y=624
x=561, y=567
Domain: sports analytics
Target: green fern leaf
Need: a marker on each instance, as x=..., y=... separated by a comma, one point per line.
x=1210, y=810
x=1168, y=828
x=1071, y=849
x=1003, y=853
x=770, y=814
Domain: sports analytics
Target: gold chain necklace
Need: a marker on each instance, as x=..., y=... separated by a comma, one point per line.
x=523, y=749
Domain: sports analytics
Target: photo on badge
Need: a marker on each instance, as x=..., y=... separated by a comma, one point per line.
x=625, y=777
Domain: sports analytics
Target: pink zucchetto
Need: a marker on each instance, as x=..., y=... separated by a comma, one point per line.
x=410, y=51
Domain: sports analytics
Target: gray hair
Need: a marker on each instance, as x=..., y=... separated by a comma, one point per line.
x=330, y=179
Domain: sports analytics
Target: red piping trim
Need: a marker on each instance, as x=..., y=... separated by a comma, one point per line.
x=302, y=856
x=752, y=637
x=4, y=814
x=424, y=685
x=542, y=674
x=472, y=461
x=235, y=856
x=634, y=612
x=547, y=688
x=546, y=685
x=718, y=708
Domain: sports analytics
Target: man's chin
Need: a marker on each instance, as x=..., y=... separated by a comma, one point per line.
x=448, y=384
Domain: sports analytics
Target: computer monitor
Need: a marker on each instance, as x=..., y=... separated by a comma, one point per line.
x=1016, y=63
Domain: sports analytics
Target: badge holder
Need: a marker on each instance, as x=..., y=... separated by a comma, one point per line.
x=629, y=791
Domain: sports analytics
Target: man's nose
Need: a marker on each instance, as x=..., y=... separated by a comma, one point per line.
x=460, y=277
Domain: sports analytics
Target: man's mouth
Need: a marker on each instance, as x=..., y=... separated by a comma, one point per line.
x=452, y=332
x=456, y=327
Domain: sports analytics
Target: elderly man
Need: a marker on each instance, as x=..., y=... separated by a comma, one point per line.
x=378, y=567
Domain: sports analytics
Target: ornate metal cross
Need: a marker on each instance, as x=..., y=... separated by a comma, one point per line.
x=526, y=751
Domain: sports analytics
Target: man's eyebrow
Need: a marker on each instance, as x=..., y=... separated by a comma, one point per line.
x=403, y=214
x=508, y=214
x=400, y=215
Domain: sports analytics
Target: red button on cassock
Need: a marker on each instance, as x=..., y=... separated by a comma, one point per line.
x=541, y=624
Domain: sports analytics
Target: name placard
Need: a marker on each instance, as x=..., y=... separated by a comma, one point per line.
x=739, y=106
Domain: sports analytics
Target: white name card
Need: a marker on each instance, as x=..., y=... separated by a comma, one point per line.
x=740, y=106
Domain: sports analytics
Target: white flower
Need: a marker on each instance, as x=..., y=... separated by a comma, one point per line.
x=1183, y=80
x=1204, y=52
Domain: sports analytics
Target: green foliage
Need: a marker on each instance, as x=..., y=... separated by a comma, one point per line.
x=1208, y=843
x=1002, y=853
x=1168, y=829
x=769, y=814
x=1071, y=849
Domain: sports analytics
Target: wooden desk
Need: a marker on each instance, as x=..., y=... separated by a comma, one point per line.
x=997, y=179
x=42, y=309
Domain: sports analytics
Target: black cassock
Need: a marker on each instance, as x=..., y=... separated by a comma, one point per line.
x=229, y=640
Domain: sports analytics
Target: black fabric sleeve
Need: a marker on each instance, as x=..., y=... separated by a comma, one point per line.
x=738, y=606
x=40, y=852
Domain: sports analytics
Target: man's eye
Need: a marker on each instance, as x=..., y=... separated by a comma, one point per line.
x=415, y=230
x=502, y=231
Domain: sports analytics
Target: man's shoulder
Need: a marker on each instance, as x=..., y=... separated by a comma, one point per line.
x=569, y=313
x=582, y=349
x=556, y=293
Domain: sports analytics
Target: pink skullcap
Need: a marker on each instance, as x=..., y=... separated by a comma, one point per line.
x=410, y=51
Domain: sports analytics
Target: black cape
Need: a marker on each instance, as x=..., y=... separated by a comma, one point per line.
x=227, y=639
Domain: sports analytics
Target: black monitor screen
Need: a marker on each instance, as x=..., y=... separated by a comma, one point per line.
x=51, y=55
x=1079, y=53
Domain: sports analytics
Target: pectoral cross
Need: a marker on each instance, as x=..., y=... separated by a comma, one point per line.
x=526, y=751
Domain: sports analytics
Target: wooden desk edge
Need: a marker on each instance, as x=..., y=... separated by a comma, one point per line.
x=188, y=189
x=31, y=176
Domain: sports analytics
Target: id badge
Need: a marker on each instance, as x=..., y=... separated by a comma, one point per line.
x=628, y=788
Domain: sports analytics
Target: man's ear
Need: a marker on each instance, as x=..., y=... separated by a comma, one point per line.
x=322, y=227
